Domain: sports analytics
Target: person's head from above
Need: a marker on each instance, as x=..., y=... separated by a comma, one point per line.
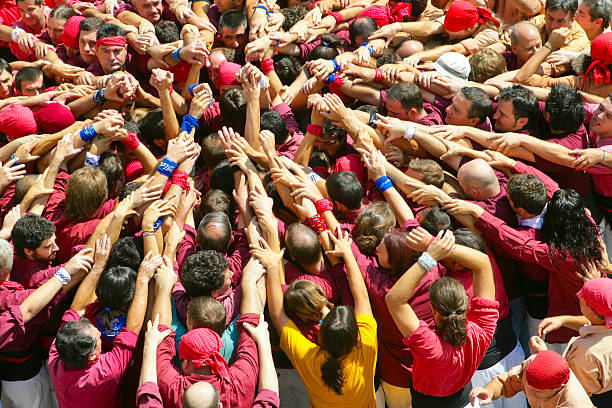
x=23, y=186
x=112, y=167
x=207, y=312
x=307, y=300
x=293, y=14
x=232, y=102
x=564, y=111
x=408, y=48
x=597, y=63
x=86, y=191
x=226, y=5
x=216, y=200
x=199, y=353
x=449, y=305
x=304, y=248
x=111, y=48
x=287, y=68
x=70, y=35
x=596, y=301
x=212, y=150
x=57, y=22
x=271, y=120
x=594, y=16
x=525, y=40
x=463, y=19
x=29, y=81
x=115, y=290
x=548, y=370
x=78, y=343
x=567, y=229
x=345, y=190
x=559, y=13
x=394, y=11
x=405, y=102
x=222, y=176
x=215, y=232
x=206, y=273
x=167, y=31
x=150, y=10
x=332, y=140
x=201, y=395
x=217, y=56
x=393, y=254
x=372, y=224
x=338, y=336
x=151, y=127
x=454, y=66
x=601, y=122
x=87, y=38
x=469, y=107
x=527, y=195
x=517, y=109
x=466, y=238
x=6, y=80
x=360, y=29
x=127, y=251
x=434, y=220
x=6, y=259
x=32, y=13
x=478, y=180
x=426, y=170
x=233, y=29
x=329, y=48
x=17, y=121
x=486, y=64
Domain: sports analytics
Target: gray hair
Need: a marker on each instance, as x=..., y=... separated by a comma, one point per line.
x=514, y=35
x=6, y=256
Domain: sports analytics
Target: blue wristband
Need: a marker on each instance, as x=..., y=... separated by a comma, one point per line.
x=88, y=133
x=336, y=65
x=167, y=167
x=384, y=183
x=371, y=51
x=157, y=224
x=11, y=158
x=98, y=96
x=330, y=79
x=191, y=88
x=175, y=54
x=189, y=122
x=263, y=8
x=365, y=44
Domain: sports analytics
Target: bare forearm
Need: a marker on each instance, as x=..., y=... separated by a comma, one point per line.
x=148, y=372
x=532, y=65
x=40, y=298
x=136, y=313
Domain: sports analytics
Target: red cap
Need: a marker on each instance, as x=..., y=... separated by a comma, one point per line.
x=462, y=15
x=53, y=117
x=17, y=121
x=70, y=37
x=597, y=293
x=133, y=170
x=227, y=73
x=547, y=370
x=601, y=52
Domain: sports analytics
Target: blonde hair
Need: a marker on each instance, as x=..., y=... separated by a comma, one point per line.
x=86, y=191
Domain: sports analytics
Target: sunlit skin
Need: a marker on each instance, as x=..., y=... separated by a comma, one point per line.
x=529, y=42
x=235, y=39
x=505, y=121
x=556, y=19
x=601, y=123
x=6, y=84
x=150, y=10
x=32, y=88
x=111, y=57
x=461, y=35
x=395, y=110
x=225, y=5
x=46, y=251
x=55, y=27
x=87, y=46
x=32, y=15
x=457, y=111
x=216, y=58
x=590, y=27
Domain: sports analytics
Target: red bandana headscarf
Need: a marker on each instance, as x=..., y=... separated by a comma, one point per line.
x=597, y=293
x=462, y=15
x=17, y=121
x=547, y=370
x=201, y=347
x=70, y=37
x=384, y=15
x=601, y=52
x=227, y=73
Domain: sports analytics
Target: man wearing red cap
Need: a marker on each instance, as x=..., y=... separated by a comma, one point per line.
x=546, y=380
x=590, y=355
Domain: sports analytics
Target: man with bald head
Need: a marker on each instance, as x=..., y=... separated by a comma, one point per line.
x=201, y=395
x=478, y=180
x=525, y=40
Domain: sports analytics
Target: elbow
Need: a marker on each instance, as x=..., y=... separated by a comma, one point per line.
x=391, y=299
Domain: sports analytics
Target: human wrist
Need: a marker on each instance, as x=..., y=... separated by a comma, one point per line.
x=427, y=261
x=548, y=47
x=63, y=275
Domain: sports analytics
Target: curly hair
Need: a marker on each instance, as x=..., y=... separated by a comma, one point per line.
x=203, y=273
x=74, y=342
x=30, y=231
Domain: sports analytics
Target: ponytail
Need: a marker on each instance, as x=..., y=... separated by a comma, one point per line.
x=332, y=374
x=454, y=328
x=448, y=298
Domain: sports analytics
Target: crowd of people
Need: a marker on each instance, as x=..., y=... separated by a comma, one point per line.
x=405, y=203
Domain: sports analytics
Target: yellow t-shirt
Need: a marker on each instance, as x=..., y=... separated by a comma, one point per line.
x=358, y=366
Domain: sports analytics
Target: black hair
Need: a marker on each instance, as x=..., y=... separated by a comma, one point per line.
x=524, y=103
x=203, y=273
x=271, y=120
x=91, y=24
x=129, y=188
x=467, y=238
x=62, y=11
x=527, y=192
x=27, y=74
x=233, y=108
x=328, y=49
x=217, y=201
x=232, y=19
x=213, y=151
x=110, y=30
x=30, y=231
x=222, y=177
x=167, y=31
x=362, y=27
x=569, y=6
x=127, y=251
x=387, y=58
x=287, y=68
x=215, y=232
x=480, y=103
x=37, y=2
x=565, y=107
x=4, y=66
x=408, y=94
x=345, y=188
x=115, y=290
x=74, y=342
x=112, y=167
x=292, y=15
x=333, y=131
x=599, y=9
x=434, y=220
x=152, y=127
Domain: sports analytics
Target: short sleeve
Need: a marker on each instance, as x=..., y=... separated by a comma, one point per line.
x=367, y=330
x=424, y=342
x=484, y=313
x=294, y=343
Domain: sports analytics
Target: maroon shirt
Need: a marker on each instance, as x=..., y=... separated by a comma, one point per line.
x=332, y=279
x=511, y=60
x=30, y=273
x=148, y=396
x=237, y=391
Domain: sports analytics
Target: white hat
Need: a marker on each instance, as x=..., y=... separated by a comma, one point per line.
x=453, y=65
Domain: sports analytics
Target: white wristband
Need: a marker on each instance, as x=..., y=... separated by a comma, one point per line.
x=91, y=160
x=410, y=132
x=63, y=276
x=427, y=262
x=15, y=33
x=314, y=177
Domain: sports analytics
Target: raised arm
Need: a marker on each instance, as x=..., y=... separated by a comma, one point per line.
x=86, y=292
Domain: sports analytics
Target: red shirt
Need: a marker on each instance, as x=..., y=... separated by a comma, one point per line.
x=602, y=178
x=148, y=396
x=98, y=384
x=31, y=273
x=441, y=369
x=236, y=392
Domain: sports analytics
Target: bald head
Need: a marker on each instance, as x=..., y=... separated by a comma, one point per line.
x=525, y=39
x=201, y=395
x=478, y=180
x=409, y=47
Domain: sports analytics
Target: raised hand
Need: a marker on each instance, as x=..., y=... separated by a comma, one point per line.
x=268, y=258
x=149, y=265
x=82, y=261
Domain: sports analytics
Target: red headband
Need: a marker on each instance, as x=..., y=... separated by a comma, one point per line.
x=462, y=15
x=121, y=41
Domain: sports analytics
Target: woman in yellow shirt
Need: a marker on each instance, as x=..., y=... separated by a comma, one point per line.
x=340, y=371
